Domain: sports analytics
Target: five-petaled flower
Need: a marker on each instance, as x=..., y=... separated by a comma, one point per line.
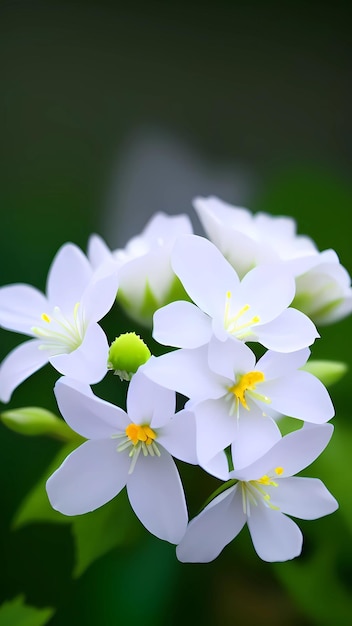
x=63, y=323
x=132, y=449
x=263, y=493
x=237, y=399
x=254, y=309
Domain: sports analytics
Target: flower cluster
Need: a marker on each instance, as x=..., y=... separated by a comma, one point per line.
x=234, y=314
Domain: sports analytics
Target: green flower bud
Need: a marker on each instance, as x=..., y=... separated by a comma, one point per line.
x=33, y=420
x=328, y=372
x=127, y=353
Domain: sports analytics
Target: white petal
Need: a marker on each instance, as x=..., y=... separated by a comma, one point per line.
x=89, y=477
x=187, y=372
x=268, y=289
x=277, y=364
x=218, y=466
x=68, y=277
x=148, y=402
x=255, y=435
x=293, y=452
x=156, y=495
x=152, y=269
x=229, y=357
x=98, y=252
x=214, y=528
x=181, y=324
x=165, y=228
x=87, y=414
x=275, y=537
x=290, y=331
x=21, y=307
x=306, y=498
x=204, y=273
x=216, y=428
x=100, y=294
x=178, y=436
x=300, y=395
x=19, y=364
x=88, y=362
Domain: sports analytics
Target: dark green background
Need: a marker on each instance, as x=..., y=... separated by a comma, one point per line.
x=136, y=107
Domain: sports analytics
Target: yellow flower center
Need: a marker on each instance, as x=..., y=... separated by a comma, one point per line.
x=138, y=438
x=61, y=334
x=247, y=382
x=253, y=490
x=137, y=433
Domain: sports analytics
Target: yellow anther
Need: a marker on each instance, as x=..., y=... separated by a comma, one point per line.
x=136, y=433
x=45, y=317
x=244, y=309
x=266, y=480
x=279, y=470
x=232, y=323
x=255, y=319
x=247, y=382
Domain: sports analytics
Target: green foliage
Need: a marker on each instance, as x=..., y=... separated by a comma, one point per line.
x=36, y=506
x=318, y=580
x=96, y=533
x=16, y=613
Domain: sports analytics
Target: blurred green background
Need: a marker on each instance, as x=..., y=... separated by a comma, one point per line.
x=110, y=111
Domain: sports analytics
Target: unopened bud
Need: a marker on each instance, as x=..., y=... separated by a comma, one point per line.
x=127, y=353
x=33, y=420
x=328, y=372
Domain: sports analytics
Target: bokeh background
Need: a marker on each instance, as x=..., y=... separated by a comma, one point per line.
x=109, y=112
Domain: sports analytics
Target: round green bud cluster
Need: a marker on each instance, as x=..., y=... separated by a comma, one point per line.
x=127, y=353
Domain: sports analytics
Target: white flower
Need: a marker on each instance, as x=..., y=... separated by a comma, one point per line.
x=63, y=323
x=130, y=449
x=323, y=288
x=323, y=285
x=236, y=399
x=266, y=491
x=247, y=239
x=254, y=309
x=146, y=278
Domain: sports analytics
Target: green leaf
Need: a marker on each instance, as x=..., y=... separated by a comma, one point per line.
x=96, y=533
x=328, y=372
x=319, y=580
x=33, y=420
x=36, y=506
x=314, y=581
x=16, y=613
x=334, y=468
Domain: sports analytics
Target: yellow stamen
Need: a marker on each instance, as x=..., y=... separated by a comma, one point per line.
x=45, y=317
x=279, y=470
x=136, y=433
x=246, y=382
x=231, y=323
x=266, y=480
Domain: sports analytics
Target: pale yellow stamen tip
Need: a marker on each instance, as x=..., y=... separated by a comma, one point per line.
x=45, y=317
x=136, y=433
x=246, y=382
x=266, y=480
x=279, y=470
